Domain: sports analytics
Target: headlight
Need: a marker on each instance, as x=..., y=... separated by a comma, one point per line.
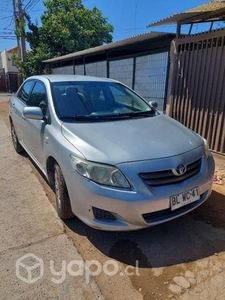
x=100, y=173
x=206, y=147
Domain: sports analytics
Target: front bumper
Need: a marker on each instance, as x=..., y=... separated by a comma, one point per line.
x=141, y=207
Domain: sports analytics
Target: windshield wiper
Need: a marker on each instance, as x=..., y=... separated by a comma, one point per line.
x=117, y=116
x=99, y=117
x=78, y=117
x=148, y=113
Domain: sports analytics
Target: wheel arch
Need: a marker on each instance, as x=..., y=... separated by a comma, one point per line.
x=51, y=161
x=63, y=203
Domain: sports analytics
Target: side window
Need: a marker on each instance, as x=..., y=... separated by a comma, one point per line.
x=118, y=95
x=25, y=90
x=126, y=98
x=38, y=96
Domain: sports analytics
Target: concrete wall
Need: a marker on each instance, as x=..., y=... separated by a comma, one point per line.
x=7, y=62
x=1, y=67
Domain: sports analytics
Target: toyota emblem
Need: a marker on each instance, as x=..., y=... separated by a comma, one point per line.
x=180, y=170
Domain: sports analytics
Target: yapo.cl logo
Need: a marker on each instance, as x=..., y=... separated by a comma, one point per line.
x=29, y=268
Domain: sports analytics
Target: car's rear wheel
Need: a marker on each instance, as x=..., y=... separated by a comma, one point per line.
x=16, y=144
x=62, y=197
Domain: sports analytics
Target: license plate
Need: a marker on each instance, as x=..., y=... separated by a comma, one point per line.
x=184, y=198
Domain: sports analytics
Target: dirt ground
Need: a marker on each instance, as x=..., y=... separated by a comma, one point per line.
x=181, y=259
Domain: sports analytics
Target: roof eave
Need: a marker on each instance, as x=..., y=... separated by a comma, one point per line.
x=203, y=13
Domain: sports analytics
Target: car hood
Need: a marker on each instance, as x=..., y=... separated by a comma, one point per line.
x=119, y=141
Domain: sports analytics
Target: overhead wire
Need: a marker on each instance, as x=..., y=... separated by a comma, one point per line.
x=30, y=5
x=7, y=22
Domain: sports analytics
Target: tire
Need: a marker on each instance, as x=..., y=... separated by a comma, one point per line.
x=62, y=197
x=16, y=144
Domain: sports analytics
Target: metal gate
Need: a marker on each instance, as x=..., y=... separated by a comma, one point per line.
x=2, y=82
x=197, y=89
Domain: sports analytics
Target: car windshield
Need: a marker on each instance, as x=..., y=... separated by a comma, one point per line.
x=98, y=101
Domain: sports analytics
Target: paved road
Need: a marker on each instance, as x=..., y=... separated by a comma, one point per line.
x=29, y=226
x=183, y=259
x=4, y=96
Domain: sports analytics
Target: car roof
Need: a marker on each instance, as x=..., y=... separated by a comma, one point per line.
x=63, y=77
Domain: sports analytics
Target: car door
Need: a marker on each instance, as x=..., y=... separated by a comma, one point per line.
x=18, y=103
x=34, y=133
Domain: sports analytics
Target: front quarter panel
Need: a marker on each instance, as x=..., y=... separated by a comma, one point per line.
x=16, y=107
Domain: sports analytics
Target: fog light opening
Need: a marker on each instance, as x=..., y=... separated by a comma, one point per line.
x=103, y=215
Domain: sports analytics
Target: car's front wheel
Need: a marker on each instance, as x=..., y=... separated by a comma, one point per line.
x=62, y=197
x=16, y=144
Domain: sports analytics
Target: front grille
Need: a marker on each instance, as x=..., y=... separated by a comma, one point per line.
x=167, y=177
x=103, y=215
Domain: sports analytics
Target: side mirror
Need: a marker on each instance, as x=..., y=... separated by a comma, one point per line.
x=33, y=112
x=153, y=104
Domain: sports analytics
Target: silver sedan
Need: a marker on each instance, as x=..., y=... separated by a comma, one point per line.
x=115, y=162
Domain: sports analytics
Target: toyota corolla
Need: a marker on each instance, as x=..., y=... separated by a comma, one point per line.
x=114, y=161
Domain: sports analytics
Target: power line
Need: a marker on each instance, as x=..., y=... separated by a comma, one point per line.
x=7, y=18
x=8, y=38
x=28, y=4
x=31, y=4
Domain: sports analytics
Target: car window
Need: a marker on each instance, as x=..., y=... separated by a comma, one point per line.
x=25, y=90
x=123, y=97
x=96, y=99
x=38, y=96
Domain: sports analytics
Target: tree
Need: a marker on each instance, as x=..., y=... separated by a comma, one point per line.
x=67, y=27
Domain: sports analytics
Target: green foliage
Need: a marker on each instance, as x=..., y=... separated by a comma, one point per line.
x=67, y=27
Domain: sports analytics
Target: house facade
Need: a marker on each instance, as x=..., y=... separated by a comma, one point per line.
x=8, y=71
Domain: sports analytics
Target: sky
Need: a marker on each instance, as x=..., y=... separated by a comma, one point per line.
x=129, y=17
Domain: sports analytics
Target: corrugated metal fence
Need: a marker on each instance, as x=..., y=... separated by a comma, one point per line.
x=197, y=91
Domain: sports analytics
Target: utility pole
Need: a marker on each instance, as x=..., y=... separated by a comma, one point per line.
x=16, y=29
x=19, y=27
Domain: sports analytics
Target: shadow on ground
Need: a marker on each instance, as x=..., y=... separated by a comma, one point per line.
x=194, y=236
